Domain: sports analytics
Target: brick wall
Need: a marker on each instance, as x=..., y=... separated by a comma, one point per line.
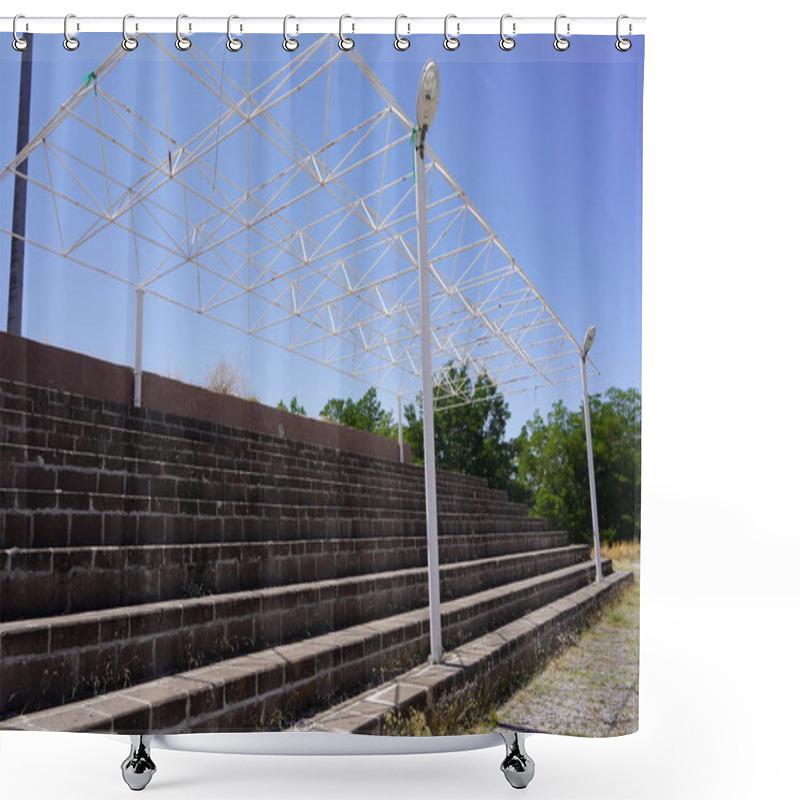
x=30, y=362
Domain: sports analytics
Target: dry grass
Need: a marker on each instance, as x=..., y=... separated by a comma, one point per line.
x=624, y=554
x=454, y=713
x=591, y=687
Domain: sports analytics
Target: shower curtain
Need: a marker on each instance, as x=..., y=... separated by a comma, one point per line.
x=296, y=349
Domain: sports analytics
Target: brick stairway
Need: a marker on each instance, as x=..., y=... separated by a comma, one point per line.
x=169, y=574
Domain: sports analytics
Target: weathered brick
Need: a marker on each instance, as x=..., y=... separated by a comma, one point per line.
x=161, y=620
x=137, y=484
x=168, y=699
x=119, y=529
x=179, y=529
x=60, y=441
x=108, y=502
x=15, y=529
x=137, y=658
x=163, y=505
x=131, y=504
x=167, y=653
x=86, y=530
x=110, y=483
x=67, y=634
x=50, y=529
x=208, y=529
x=162, y=487
x=204, y=697
x=126, y=715
x=77, y=481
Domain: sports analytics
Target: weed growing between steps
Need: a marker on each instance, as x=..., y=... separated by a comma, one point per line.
x=101, y=681
x=223, y=649
x=193, y=588
x=458, y=712
x=290, y=716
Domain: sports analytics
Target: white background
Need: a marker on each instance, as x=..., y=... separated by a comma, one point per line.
x=720, y=712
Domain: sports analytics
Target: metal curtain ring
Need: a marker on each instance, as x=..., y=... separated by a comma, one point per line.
x=561, y=44
x=289, y=44
x=345, y=43
x=451, y=42
x=507, y=42
x=623, y=45
x=233, y=44
x=70, y=42
x=19, y=43
x=181, y=41
x=128, y=42
x=400, y=42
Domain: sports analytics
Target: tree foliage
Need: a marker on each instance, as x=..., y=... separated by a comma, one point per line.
x=366, y=414
x=545, y=466
x=294, y=406
x=470, y=427
x=552, y=465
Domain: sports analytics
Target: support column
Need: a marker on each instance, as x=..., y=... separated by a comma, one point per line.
x=598, y=563
x=427, y=406
x=400, y=426
x=16, y=273
x=137, y=363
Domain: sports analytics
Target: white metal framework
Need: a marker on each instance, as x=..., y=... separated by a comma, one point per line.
x=278, y=198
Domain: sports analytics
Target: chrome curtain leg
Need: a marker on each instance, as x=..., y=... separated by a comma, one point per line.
x=138, y=768
x=517, y=766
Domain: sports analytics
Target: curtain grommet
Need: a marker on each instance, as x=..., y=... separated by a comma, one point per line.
x=401, y=43
x=507, y=42
x=622, y=44
x=233, y=44
x=19, y=43
x=71, y=43
x=561, y=43
x=345, y=42
x=129, y=43
x=451, y=43
x=183, y=43
x=289, y=43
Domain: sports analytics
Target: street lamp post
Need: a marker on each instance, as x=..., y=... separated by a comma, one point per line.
x=427, y=101
x=587, y=345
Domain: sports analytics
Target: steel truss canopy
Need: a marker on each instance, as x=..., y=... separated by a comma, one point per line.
x=283, y=205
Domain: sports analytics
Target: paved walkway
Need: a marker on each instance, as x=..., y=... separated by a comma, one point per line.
x=592, y=687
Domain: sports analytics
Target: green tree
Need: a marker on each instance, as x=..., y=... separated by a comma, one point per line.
x=366, y=414
x=470, y=425
x=294, y=406
x=553, y=470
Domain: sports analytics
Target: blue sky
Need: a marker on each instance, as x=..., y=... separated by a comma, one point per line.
x=546, y=144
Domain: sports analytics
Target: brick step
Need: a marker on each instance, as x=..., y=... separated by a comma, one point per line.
x=514, y=650
x=51, y=411
x=36, y=486
x=48, y=581
x=47, y=660
x=230, y=446
x=23, y=528
x=263, y=689
x=168, y=496
x=179, y=477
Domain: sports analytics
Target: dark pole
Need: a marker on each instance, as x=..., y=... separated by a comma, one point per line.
x=16, y=272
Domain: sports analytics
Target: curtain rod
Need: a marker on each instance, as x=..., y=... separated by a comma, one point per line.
x=408, y=26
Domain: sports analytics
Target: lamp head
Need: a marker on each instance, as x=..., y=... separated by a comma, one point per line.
x=589, y=339
x=427, y=95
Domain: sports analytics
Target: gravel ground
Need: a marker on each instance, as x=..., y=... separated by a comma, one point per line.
x=592, y=687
